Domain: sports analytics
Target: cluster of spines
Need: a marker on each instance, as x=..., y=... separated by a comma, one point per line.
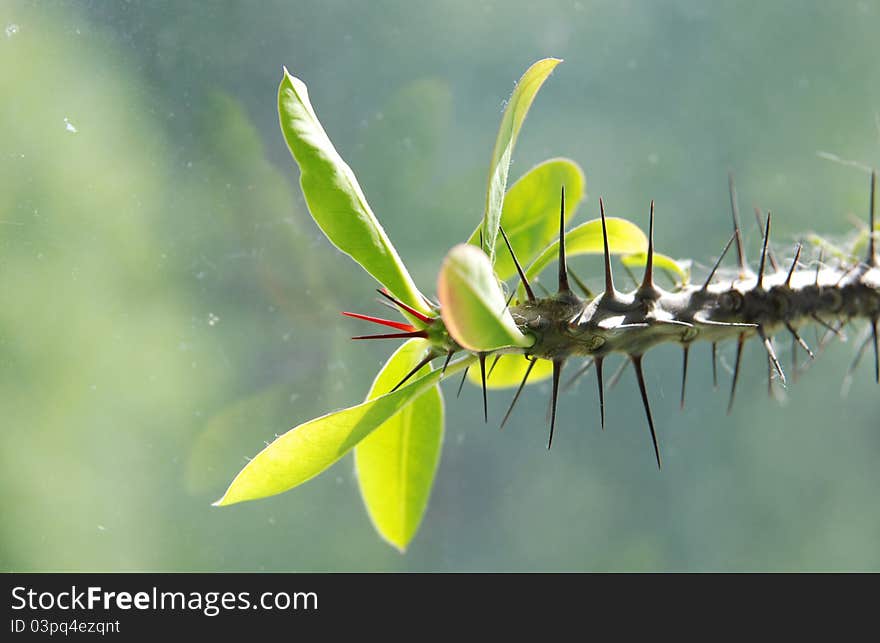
x=647, y=291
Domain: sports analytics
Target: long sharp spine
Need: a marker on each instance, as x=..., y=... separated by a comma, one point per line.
x=872, y=254
x=482, y=357
x=760, y=221
x=522, y=276
x=739, y=349
x=794, y=263
x=522, y=385
x=734, y=212
x=684, y=371
x=557, y=371
x=609, y=279
x=412, y=311
x=771, y=354
x=718, y=262
x=563, y=272
x=431, y=355
x=640, y=376
x=764, y=254
x=715, y=365
x=876, y=351
x=797, y=338
x=598, y=362
x=648, y=280
x=461, y=383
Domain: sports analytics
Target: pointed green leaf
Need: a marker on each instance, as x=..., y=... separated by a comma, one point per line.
x=397, y=462
x=624, y=237
x=681, y=268
x=511, y=122
x=308, y=449
x=474, y=308
x=510, y=370
x=530, y=216
x=334, y=197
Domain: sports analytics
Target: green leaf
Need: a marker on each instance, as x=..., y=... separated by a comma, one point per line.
x=682, y=268
x=530, y=216
x=334, y=197
x=310, y=448
x=511, y=122
x=473, y=306
x=624, y=237
x=509, y=371
x=397, y=462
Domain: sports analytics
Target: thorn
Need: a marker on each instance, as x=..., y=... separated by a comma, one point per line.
x=829, y=334
x=822, y=322
x=609, y=280
x=794, y=359
x=637, y=364
x=876, y=348
x=522, y=385
x=769, y=377
x=481, y=239
x=519, y=270
x=461, y=383
x=720, y=259
x=715, y=365
x=764, y=254
x=388, y=304
x=739, y=349
x=819, y=264
x=557, y=371
x=446, y=363
x=872, y=255
x=797, y=255
x=384, y=322
x=492, y=367
x=684, y=371
x=797, y=338
x=419, y=333
x=858, y=357
x=771, y=353
x=412, y=311
x=673, y=322
x=581, y=371
x=760, y=220
x=580, y=284
x=563, y=273
x=482, y=357
x=701, y=318
x=734, y=211
x=615, y=377
x=648, y=280
x=598, y=362
x=431, y=355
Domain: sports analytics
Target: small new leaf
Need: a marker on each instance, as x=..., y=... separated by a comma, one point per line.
x=474, y=308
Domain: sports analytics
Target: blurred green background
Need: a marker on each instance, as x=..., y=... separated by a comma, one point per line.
x=168, y=304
